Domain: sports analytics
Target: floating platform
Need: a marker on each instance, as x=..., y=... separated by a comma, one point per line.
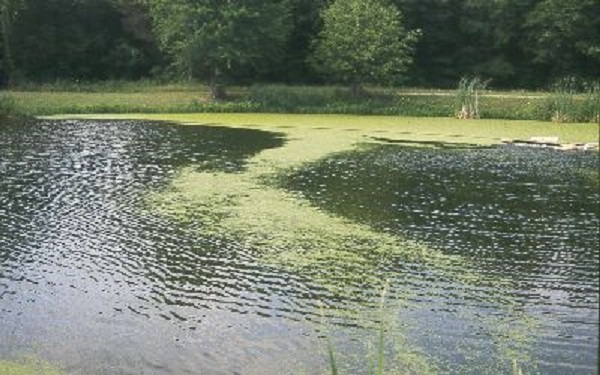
x=552, y=143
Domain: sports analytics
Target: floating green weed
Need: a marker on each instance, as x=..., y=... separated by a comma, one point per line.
x=385, y=349
x=341, y=257
x=327, y=130
x=28, y=367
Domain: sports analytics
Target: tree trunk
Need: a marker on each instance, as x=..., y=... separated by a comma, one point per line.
x=356, y=90
x=217, y=91
x=9, y=64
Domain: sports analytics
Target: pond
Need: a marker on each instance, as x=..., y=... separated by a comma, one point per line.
x=139, y=247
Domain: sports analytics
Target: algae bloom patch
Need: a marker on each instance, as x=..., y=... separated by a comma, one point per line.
x=346, y=259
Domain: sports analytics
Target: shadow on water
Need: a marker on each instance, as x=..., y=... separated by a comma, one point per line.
x=529, y=216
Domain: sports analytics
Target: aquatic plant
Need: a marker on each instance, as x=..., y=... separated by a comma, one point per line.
x=562, y=102
x=385, y=347
x=574, y=100
x=339, y=258
x=591, y=102
x=28, y=366
x=468, y=97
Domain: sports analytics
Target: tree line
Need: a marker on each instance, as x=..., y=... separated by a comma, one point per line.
x=432, y=43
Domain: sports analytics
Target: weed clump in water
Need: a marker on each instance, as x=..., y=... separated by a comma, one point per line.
x=468, y=95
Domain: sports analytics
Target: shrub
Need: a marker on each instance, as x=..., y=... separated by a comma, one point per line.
x=573, y=100
x=591, y=103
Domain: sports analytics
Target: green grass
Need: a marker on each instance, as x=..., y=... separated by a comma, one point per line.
x=9, y=110
x=574, y=101
x=116, y=86
x=153, y=97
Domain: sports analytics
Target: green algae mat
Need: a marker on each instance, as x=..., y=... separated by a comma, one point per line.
x=367, y=270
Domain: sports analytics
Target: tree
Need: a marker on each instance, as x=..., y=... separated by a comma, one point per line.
x=45, y=40
x=211, y=39
x=363, y=41
x=9, y=10
x=438, y=50
x=563, y=37
x=469, y=37
x=306, y=23
x=490, y=40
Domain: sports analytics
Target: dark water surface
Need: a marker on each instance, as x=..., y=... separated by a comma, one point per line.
x=93, y=281
x=525, y=215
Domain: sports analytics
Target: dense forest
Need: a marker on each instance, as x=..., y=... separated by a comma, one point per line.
x=513, y=43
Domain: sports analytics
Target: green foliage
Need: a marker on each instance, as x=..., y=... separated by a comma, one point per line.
x=116, y=86
x=516, y=43
x=209, y=39
x=573, y=100
x=305, y=23
x=490, y=35
x=474, y=37
x=591, y=103
x=72, y=39
x=9, y=109
x=64, y=97
x=363, y=41
x=563, y=37
x=336, y=100
x=332, y=361
x=286, y=98
x=468, y=95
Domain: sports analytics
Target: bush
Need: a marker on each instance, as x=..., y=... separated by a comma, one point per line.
x=338, y=100
x=292, y=97
x=573, y=100
x=590, y=108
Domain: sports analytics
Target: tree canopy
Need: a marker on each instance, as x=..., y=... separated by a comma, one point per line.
x=515, y=43
x=564, y=36
x=363, y=41
x=209, y=39
x=51, y=39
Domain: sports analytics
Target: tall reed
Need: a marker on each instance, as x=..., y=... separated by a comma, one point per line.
x=562, y=100
x=574, y=100
x=376, y=368
x=591, y=102
x=468, y=95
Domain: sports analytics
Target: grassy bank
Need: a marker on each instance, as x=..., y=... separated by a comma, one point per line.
x=148, y=97
x=9, y=109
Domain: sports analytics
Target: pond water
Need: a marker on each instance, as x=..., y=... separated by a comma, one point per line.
x=96, y=280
